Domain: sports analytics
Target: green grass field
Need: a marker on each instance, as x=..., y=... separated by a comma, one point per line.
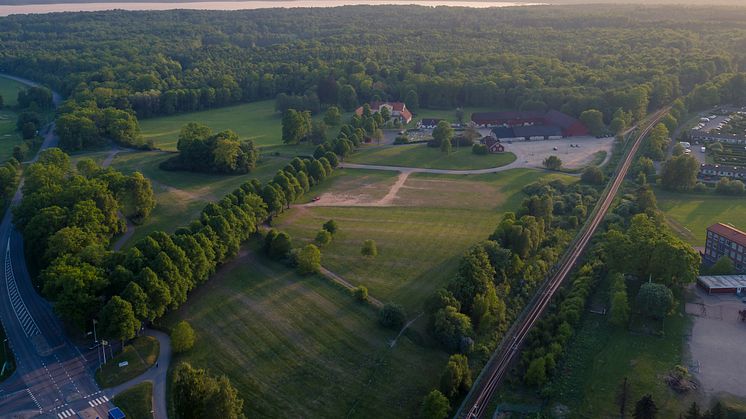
x=690, y=214
x=419, y=155
x=420, y=239
x=9, y=135
x=141, y=354
x=9, y=91
x=137, y=402
x=302, y=347
x=600, y=356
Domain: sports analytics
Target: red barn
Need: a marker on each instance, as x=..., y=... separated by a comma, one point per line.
x=569, y=126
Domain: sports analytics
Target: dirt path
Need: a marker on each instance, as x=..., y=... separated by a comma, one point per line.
x=343, y=282
x=403, y=329
x=391, y=195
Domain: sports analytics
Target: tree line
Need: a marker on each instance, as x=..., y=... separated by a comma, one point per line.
x=496, y=278
x=69, y=217
x=161, y=63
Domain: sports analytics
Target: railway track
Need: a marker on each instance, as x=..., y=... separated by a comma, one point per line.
x=476, y=402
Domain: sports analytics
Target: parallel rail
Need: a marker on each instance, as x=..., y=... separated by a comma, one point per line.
x=476, y=402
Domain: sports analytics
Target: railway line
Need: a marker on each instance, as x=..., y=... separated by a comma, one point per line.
x=476, y=402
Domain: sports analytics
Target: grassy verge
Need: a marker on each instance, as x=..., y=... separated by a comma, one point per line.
x=137, y=402
x=690, y=214
x=419, y=155
x=302, y=347
x=420, y=239
x=140, y=354
x=9, y=135
x=601, y=356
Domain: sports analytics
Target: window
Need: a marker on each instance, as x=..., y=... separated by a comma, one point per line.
x=733, y=245
x=709, y=233
x=740, y=248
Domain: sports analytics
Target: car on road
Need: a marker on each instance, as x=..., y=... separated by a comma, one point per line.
x=555, y=148
x=316, y=198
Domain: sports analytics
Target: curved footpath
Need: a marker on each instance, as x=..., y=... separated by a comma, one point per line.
x=157, y=374
x=56, y=97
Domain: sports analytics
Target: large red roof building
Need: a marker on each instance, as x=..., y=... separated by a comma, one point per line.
x=569, y=126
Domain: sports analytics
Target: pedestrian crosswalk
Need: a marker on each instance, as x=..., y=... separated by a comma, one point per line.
x=19, y=307
x=98, y=401
x=66, y=414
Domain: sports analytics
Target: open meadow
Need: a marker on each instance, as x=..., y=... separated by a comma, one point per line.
x=690, y=214
x=9, y=91
x=181, y=195
x=301, y=346
x=420, y=155
x=257, y=121
x=421, y=232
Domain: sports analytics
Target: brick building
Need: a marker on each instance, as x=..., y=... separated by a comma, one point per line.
x=725, y=240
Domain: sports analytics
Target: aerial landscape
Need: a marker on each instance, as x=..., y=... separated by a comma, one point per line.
x=370, y=209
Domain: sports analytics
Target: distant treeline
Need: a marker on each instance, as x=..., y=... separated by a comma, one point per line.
x=160, y=63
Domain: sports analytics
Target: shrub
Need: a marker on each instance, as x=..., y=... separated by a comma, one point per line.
x=309, y=260
x=401, y=139
x=552, y=163
x=479, y=149
x=323, y=237
x=182, y=337
x=360, y=293
x=369, y=249
x=331, y=226
x=592, y=175
x=435, y=406
x=392, y=316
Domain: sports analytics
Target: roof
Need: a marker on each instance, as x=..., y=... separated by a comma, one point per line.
x=116, y=413
x=722, y=168
x=503, y=132
x=550, y=118
x=492, y=116
x=397, y=106
x=430, y=121
x=562, y=120
x=729, y=232
x=538, y=131
x=723, y=281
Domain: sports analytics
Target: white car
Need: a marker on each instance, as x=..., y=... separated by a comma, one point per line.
x=703, y=149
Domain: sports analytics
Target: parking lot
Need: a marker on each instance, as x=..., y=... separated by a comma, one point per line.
x=717, y=343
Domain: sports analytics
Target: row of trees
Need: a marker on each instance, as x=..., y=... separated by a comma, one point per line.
x=497, y=277
x=202, y=151
x=69, y=217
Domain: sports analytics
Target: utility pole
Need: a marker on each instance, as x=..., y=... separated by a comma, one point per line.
x=95, y=342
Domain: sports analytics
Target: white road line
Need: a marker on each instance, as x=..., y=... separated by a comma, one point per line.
x=30, y=329
x=66, y=414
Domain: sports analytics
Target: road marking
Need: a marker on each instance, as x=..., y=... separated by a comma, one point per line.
x=19, y=307
x=66, y=414
x=36, y=402
x=98, y=401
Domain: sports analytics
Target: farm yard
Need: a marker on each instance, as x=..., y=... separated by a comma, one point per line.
x=301, y=346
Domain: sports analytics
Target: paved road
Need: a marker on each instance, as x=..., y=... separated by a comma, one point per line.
x=156, y=374
x=477, y=401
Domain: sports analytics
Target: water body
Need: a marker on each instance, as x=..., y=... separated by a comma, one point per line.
x=6, y=10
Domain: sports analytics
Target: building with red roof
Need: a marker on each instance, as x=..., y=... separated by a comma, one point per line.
x=398, y=110
x=566, y=124
x=725, y=240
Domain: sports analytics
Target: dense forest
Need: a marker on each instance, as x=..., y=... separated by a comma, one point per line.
x=570, y=58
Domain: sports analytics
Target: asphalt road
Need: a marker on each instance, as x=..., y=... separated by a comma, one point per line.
x=476, y=403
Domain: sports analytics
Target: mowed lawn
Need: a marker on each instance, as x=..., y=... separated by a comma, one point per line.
x=9, y=91
x=9, y=135
x=257, y=121
x=420, y=155
x=303, y=347
x=420, y=239
x=180, y=195
x=691, y=214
